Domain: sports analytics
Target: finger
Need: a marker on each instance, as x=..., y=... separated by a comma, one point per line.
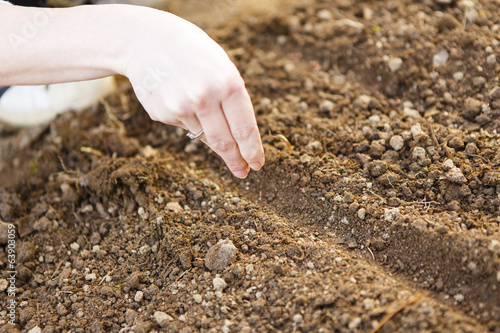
x=193, y=126
x=219, y=139
x=240, y=116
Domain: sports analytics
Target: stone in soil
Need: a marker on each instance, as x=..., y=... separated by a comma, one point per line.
x=162, y=318
x=220, y=255
x=456, y=175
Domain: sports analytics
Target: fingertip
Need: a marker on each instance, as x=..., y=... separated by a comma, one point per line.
x=241, y=174
x=257, y=166
x=254, y=157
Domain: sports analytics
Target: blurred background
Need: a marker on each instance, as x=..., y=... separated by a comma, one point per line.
x=207, y=14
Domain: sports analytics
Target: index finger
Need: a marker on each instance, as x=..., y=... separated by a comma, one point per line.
x=240, y=116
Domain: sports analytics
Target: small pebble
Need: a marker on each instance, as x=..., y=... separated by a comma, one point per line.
x=447, y=22
x=220, y=255
x=325, y=15
x=197, y=298
x=35, y=329
x=419, y=153
x=458, y=76
x=75, y=246
x=303, y=105
x=368, y=304
x=3, y=284
x=130, y=316
x=491, y=59
x=374, y=120
x=314, y=147
x=471, y=149
x=189, y=148
x=95, y=238
x=355, y=323
x=42, y=224
x=162, y=318
x=440, y=58
x=362, y=213
x=297, y=318
x=265, y=102
x=305, y=159
x=478, y=81
x=494, y=246
x=144, y=249
x=68, y=193
x=397, y=142
x=289, y=67
x=90, y=277
x=139, y=296
x=410, y=112
x=448, y=97
x=363, y=101
x=219, y=284
x=249, y=269
x=459, y=298
x=141, y=212
x=175, y=207
x=395, y=64
x=448, y=164
x=472, y=108
x=377, y=168
x=456, y=175
x=472, y=266
x=495, y=93
x=61, y=310
x=390, y=214
x=416, y=130
x=326, y=106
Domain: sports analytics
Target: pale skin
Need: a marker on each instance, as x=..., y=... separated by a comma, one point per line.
x=180, y=75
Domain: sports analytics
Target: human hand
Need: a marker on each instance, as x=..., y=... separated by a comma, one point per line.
x=184, y=78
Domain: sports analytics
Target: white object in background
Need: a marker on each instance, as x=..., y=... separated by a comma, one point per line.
x=34, y=105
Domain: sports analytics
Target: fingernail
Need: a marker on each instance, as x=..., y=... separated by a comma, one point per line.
x=256, y=166
x=242, y=174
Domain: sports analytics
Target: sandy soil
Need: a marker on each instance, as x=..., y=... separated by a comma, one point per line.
x=378, y=205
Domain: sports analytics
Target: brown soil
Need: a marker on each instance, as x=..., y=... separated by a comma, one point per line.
x=115, y=214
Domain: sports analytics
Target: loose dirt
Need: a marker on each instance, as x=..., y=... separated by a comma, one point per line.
x=379, y=202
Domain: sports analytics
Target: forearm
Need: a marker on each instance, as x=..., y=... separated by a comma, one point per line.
x=41, y=46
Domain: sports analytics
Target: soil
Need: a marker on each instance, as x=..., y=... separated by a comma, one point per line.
x=379, y=202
